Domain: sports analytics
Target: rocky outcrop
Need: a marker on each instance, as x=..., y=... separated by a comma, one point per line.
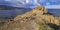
x=32, y=20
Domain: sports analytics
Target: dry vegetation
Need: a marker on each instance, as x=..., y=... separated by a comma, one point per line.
x=37, y=19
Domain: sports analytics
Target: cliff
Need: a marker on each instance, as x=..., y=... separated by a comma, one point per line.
x=36, y=19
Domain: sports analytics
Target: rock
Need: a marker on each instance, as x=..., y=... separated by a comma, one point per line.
x=31, y=20
x=41, y=8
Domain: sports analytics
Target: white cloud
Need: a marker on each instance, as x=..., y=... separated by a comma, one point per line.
x=27, y=1
x=47, y=3
x=53, y=6
x=7, y=0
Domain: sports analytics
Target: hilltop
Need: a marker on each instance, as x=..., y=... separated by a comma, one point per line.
x=36, y=19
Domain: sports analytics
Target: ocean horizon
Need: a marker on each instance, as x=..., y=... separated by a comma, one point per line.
x=14, y=13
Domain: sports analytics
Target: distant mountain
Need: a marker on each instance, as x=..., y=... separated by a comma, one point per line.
x=4, y=7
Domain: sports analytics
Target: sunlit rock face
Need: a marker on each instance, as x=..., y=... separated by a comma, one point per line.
x=31, y=20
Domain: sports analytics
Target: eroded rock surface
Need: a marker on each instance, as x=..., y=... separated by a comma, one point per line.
x=31, y=20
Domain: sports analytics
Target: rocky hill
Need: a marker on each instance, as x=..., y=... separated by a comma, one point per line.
x=36, y=19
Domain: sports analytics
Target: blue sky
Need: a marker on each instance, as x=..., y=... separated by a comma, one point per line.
x=31, y=3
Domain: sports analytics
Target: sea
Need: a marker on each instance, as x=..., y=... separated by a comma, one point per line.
x=55, y=12
x=8, y=14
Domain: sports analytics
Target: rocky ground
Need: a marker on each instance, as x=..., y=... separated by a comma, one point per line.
x=37, y=19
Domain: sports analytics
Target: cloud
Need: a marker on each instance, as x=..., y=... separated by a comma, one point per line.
x=53, y=6
x=7, y=0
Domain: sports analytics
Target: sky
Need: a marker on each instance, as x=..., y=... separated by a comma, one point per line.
x=32, y=3
x=53, y=7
